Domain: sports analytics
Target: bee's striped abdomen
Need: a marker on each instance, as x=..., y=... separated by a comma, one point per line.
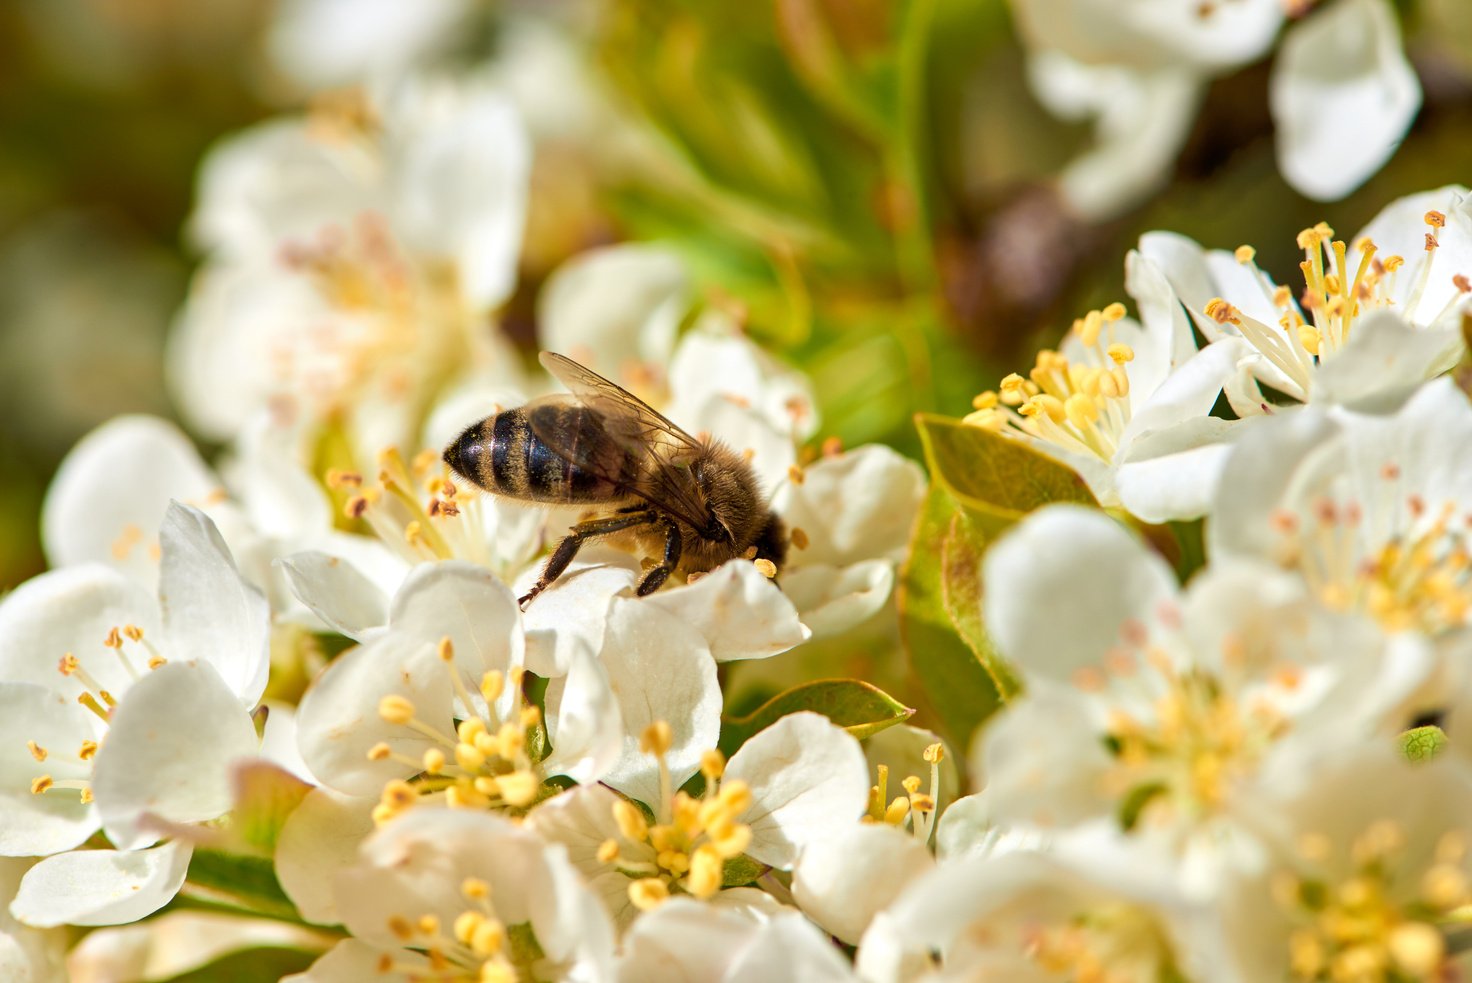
x=551, y=452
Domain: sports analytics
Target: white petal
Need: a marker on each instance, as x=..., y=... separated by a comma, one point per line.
x=843, y=880
x=1166, y=339
x=684, y=940
x=168, y=750
x=328, y=44
x=1384, y=360
x=73, y=609
x=1081, y=558
x=616, y=310
x=1152, y=34
x=741, y=613
x=832, y=600
x=715, y=359
x=461, y=158
x=1342, y=96
x=345, y=600
x=465, y=603
x=1185, y=265
x=581, y=820
x=280, y=496
x=808, y=780
x=110, y=494
x=1042, y=762
x=788, y=946
x=1173, y=474
x=583, y=721
x=36, y=825
x=319, y=838
x=856, y=506
x=659, y=669
x=571, y=615
x=1141, y=120
x=1189, y=392
x=101, y=887
x=209, y=612
x=338, y=721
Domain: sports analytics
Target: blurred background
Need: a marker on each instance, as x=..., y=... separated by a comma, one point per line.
x=869, y=185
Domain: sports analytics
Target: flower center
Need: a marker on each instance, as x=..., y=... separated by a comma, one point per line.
x=1417, y=574
x=488, y=763
x=915, y=807
x=128, y=647
x=1082, y=405
x=1364, y=926
x=478, y=949
x=686, y=850
x=1110, y=943
x=1338, y=292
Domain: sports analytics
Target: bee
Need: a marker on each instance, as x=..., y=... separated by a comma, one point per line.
x=693, y=500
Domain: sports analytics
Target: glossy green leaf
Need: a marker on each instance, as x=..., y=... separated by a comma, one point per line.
x=854, y=705
x=742, y=870
x=250, y=966
x=996, y=479
x=960, y=692
x=960, y=584
x=1422, y=743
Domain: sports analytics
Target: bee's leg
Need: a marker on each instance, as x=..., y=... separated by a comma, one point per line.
x=656, y=577
x=573, y=541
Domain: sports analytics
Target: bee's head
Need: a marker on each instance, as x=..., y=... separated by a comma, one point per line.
x=732, y=495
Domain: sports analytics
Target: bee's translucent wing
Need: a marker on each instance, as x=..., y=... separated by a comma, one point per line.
x=667, y=484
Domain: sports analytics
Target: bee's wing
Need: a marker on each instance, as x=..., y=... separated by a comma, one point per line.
x=627, y=419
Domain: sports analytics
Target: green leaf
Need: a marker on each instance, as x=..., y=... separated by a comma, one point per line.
x=250, y=966
x=996, y=479
x=960, y=585
x=1422, y=743
x=960, y=691
x=742, y=870
x=250, y=880
x=859, y=708
x=1135, y=802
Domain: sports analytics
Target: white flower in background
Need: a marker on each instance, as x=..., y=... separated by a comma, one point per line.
x=1126, y=405
x=1342, y=93
x=326, y=44
x=466, y=894
x=685, y=940
x=1370, y=878
x=354, y=261
x=125, y=712
x=27, y=955
x=1028, y=918
x=797, y=782
x=1378, y=314
x=1158, y=712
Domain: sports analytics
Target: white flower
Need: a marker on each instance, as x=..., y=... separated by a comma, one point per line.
x=1342, y=92
x=125, y=711
x=343, y=245
x=795, y=783
x=468, y=890
x=1379, y=312
x=1125, y=405
x=27, y=955
x=1160, y=712
x=325, y=44
x=842, y=881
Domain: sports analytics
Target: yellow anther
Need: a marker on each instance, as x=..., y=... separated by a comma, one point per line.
x=88, y=750
x=1012, y=390
x=337, y=479
x=607, y=851
x=897, y=810
x=730, y=839
x=401, y=927
x=1088, y=329
x=1222, y=312
x=1394, y=262
x=465, y=925
x=395, y=709
x=657, y=739
x=1113, y=312
x=519, y=788
x=41, y=783
x=155, y=661
x=765, y=567
x=434, y=761
x=1282, y=297
x=799, y=538
x=712, y=764
x=795, y=474
x=1308, y=337
x=429, y=925
x=492, y=684
x=935, y=753
x=475, y=889
x=985, y=401
x=86, y=796
x=379, y=752
x=631, y=822
x=1121, y=353
x=648, y=893
x=1435, y=219
x=488, y=939
x=1308, y=239
x=510, y=739
x=1417, y=949
x=469, y=729
x=114, y=639
x=1081, y=410
x=735, y=795
x=67, y=665
x=530, y=717
x=398, y=793
x=1245, y=254
x=447, y=649
x=1444, y=886
x=37, y=751
x=706, y=868
x=133, y=633
x=469, y=757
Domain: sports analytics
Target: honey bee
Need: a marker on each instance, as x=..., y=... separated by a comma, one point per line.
x=693, y=499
